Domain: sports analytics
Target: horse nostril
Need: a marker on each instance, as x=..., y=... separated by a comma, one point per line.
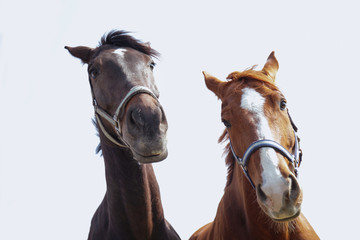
x=294, y=188
x=260, y=193
x=163, y=116
x=136, y=118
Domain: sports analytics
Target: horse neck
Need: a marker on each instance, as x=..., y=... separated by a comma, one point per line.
x=239, y=208
x=132, y=197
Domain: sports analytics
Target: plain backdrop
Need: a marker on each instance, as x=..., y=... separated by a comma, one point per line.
x=51, y=180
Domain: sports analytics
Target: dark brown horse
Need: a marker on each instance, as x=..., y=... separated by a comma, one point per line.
x=132, y=129
x=262, y=198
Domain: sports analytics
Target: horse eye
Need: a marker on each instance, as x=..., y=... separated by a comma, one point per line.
x=93, y=73
x=226, y=123
x=152, y=65
x=283, y=104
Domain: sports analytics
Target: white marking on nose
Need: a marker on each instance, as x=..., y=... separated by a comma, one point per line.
x=274, y=185
x=120, y=51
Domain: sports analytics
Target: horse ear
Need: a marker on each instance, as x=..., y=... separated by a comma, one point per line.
x=271, y=66
x=213, y=84
x=84, y=53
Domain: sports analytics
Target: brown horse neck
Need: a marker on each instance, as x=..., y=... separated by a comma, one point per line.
x=240, y=216
x=132, y=197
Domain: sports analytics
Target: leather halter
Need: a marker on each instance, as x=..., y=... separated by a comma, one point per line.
x=115, y=119
x=295, y=158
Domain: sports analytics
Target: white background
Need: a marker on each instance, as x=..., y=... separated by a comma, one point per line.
x=51, y=181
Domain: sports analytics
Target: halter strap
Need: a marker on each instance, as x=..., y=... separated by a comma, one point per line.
x=113, y=140
x=133, y=91
x=295, y=158
x=115, y=119
x=261, y=144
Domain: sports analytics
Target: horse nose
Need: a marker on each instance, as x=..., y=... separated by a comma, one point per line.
x=148, y=118
x=282, y=200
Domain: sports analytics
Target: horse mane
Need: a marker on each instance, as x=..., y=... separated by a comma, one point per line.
x=229, y=159
x=120, y=38
x=246, y=75
x=252, y=74
x=96, y=125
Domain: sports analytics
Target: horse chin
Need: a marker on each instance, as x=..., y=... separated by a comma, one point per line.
x=287, y=214
x=144, y=159
x=288, y=218
x=147, y=151
x=282, y=217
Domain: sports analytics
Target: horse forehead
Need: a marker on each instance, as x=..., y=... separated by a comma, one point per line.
x=252, y=100
x=120, y=52
x=121, y=55
x=129, y=53
x=131, y=58
x=128, y=60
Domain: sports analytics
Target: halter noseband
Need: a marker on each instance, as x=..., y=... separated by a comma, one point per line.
x=295, y=158
x=115, y=120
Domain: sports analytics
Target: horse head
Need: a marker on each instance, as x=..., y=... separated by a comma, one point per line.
x=261, y=132
x=125, y=95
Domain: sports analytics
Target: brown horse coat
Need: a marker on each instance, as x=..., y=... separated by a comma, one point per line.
x=253, y=109
x=132, y=129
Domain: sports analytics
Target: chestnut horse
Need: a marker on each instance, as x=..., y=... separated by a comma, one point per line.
x=132, y=130
x=262, y=198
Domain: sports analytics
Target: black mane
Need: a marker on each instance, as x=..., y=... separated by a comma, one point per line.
x=95, y=123
x=121, y=38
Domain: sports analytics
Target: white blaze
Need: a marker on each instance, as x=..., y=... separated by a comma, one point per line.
x=120, y=51
x=120, y=55
x=274, y=185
